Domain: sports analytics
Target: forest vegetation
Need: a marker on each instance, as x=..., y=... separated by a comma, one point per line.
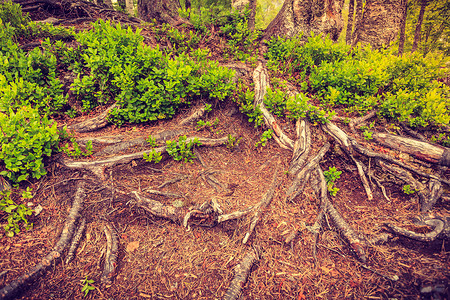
x=260, y=157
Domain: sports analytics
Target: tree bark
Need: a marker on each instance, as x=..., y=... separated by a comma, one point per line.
x=358, y=16
x=129, y=7
x=163, y=11
x=380, y=23
x=401, y=41
x=351, y=11
x=416, y=41
x=305, y=16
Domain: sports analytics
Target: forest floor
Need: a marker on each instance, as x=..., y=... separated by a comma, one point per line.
x=159, y=259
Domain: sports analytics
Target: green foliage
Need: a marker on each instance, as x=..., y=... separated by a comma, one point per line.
x=245, y=100
x=29, y=79
x=11, y=17
x=75, y=151
x=87, y=287
x=182, y=150
x=151, y=141
x=146, y=84
x=331, y=176
x=408, y=190
x=182, y=41
x=265, y=137
x=202, y=124
x=232, y=142
x=296, y=57
x=441, y=138
x=26, y=138
x=153, y=156
x=241, y=41
x=15, y=214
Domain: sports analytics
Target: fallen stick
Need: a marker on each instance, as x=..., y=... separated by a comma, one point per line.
x=241, y=273
x=112, y=247
x=15, y=287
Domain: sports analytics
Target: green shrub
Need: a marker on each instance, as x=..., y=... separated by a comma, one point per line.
x=146, y=84
x=26, y=138
x=182, y=150
x=11, y=17
x=15, y=214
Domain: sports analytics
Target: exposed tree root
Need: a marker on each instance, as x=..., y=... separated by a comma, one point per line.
x=140, y=142
x=302, y=146
x=342, y=138
x=356, y=243
x=241, y=273
x=93, y=124
x=156, y=208
x=13, y=288
x=303, y=176
x=76, y=241
x=261, y=81
x=199, y=113
x=440, y=225
x=98, y=166
x=267, y=198
x=112, y=248
x=422, y=150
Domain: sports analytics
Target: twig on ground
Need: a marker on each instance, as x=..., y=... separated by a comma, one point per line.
x=112, y=248
x=75, y=241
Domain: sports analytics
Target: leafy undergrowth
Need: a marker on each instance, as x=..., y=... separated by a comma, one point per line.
x=153, y=88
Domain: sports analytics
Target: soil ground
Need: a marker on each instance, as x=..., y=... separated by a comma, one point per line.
x=162, y=260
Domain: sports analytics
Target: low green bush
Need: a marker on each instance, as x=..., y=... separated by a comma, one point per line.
x=26, y=139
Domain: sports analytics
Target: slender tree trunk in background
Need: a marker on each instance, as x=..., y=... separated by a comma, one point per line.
x=401, y=42
x=416, y=41
x=380, y=23
x=251, y=20
x=129, y=7
x=163, y=11
x=316, y=16
x=358, y=16
x=351, y=11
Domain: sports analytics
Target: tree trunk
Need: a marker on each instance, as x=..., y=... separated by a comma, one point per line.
x=416, y=41
x=351, y=11
x=358, y=16
x=306, y=16
x=163, y=11
x=380, y=23
x=129, y=7
x=251, y=20
x=401, y=41
x=240, y=4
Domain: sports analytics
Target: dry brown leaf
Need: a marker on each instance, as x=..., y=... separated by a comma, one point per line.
x=131, y=246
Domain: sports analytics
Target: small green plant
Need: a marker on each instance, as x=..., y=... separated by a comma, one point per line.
x=408, y=190
x=76, y=151
x=87, y=287
x=152, y=141
x=367, y=135
x=16, y=214
x=153, y=156
x=202, y=124
x=232, y=142
x=182, y=150
x=27, y=193
x=265, y=137
x=208, y=107
x=331, y=176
